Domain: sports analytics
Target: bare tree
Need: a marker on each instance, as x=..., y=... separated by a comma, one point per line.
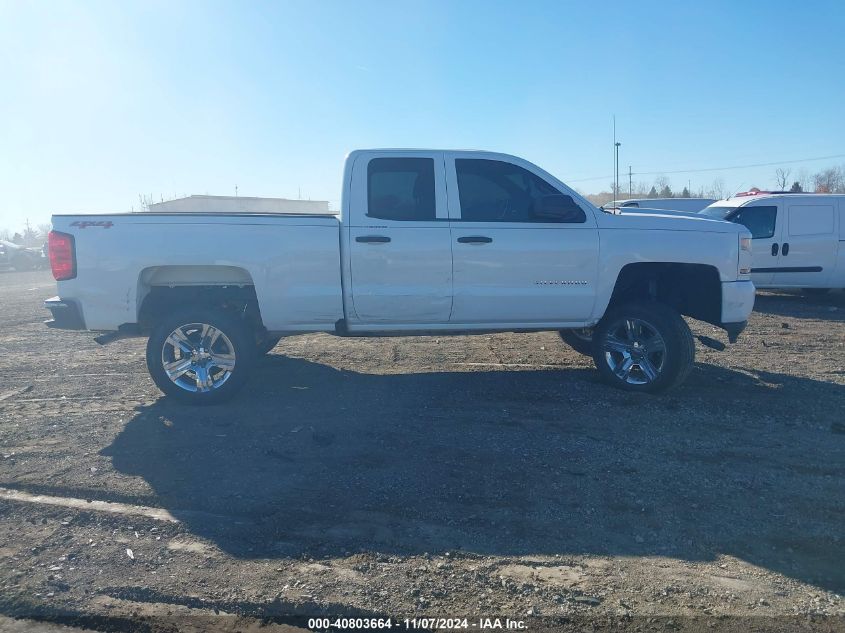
x=717, y=190
x=6, y=234
x=782, y=178
x=30, y=235
x=44, y=230
x=829, y=180
x=661, y=182
x=615, y=190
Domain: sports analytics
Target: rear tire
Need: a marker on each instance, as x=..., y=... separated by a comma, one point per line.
x=200, y=356
x=581, y=340
x=643, y=346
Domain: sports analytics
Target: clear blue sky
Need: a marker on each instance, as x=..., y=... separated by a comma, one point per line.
x=102, y=101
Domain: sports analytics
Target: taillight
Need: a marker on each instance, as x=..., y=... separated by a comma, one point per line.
x=62, y=252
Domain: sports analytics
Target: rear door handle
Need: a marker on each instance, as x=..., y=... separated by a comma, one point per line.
x=785, y=250
x=373, y=239
x=774, y=249
x=475, y=239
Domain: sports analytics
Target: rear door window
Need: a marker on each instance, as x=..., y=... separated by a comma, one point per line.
x=401, y=189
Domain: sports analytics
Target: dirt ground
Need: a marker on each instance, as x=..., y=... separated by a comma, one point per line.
x=456, y=477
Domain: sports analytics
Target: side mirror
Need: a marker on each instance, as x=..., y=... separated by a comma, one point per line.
x=558, y=208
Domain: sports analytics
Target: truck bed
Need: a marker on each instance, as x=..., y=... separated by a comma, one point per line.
x=292, y=261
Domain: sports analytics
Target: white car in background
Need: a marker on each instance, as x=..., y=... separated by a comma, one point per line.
x=798, y=239
x=21, y=258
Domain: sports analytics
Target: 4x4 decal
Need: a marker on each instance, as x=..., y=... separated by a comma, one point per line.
x=82, y=224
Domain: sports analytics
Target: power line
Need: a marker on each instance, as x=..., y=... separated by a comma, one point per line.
x=705, y=169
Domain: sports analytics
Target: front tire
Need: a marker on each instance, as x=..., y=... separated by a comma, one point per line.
x=643, y=346
x=200, y=356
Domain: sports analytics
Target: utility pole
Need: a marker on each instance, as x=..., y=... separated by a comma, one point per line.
x=630, y=183
x=616, y=166
x=236, y=191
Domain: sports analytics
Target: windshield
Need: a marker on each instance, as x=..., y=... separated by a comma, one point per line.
x=717, y=212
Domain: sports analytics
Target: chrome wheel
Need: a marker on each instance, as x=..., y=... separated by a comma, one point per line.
x=198, y=357
x=634, y=351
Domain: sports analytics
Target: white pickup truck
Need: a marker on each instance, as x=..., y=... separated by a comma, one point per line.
x=451, y=242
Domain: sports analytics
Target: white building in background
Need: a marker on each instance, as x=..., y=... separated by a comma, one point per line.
x=238, y=204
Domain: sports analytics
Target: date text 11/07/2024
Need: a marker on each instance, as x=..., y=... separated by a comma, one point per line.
x=426, y=624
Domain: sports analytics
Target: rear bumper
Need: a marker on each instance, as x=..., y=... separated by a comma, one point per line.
x=66, y=314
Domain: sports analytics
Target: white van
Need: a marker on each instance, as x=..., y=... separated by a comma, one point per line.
x=667, y=204
x=798, y=239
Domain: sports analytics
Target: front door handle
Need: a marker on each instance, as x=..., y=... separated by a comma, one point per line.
x=774, y=249
x=373, y=239
x=475, y=239
x=785, y=250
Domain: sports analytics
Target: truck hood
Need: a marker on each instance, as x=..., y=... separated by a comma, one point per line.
x=666, y=221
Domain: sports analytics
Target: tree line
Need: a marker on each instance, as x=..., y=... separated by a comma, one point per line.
x=828, y=180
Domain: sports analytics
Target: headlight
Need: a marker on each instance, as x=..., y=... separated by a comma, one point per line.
x=744, y=259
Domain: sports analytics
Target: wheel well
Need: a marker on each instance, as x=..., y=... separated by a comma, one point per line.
x=693, y=290
x=163, y=300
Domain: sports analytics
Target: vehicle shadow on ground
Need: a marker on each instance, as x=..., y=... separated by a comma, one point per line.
x=827, y=307
x=320, y=462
